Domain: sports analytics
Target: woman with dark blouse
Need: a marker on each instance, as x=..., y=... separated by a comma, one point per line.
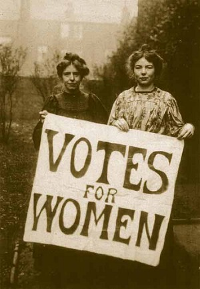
x=62, y=267
x=72, y=101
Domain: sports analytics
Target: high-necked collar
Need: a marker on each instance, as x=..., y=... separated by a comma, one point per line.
x=77, y=94
x=142, y=91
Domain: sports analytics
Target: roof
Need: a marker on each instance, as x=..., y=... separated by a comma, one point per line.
x=83, y=12
x=99, y=11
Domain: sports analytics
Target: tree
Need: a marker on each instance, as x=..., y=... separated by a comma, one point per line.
x=44, y=77
x=11, y=61
x=113, y=74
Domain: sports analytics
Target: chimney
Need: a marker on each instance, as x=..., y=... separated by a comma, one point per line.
x=25, y=10
x=126, y=16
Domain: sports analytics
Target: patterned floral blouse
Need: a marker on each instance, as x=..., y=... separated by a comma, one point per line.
x=156, y=111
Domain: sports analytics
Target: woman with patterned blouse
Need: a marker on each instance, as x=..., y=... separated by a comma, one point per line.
x=148, y=108
x=145, y=106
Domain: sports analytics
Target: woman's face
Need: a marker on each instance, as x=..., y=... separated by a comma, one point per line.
x=144, y=72
x=71, y=79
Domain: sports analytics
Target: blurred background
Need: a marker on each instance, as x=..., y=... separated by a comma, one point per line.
x=34, y=36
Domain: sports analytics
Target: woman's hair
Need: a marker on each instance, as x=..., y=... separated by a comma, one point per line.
x=149, y=54
x=74, y=59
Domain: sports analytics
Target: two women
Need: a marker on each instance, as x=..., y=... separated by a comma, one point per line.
x=143, y=107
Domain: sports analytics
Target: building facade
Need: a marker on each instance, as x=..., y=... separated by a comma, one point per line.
x=93, y=40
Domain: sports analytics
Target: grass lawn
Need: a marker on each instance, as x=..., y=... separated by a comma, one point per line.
x=18, y=161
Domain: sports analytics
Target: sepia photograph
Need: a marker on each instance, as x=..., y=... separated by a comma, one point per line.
x=100, y=144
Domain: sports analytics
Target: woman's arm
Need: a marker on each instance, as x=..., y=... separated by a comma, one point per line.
x=37, y=135
x=116, y=118
x=97, y=109
x=174, y=122
x=51, y=106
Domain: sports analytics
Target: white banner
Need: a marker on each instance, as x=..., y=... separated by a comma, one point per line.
x=102, y=190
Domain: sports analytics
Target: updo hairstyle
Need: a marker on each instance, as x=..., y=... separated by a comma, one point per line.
x=77, y=61
x=149, y=54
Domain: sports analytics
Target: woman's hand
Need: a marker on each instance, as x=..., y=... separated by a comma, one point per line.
x=187, y=131
x=43, y=114
x=121, y=124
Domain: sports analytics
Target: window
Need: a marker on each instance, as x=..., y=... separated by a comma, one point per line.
x=78, y=31
x=63, y=52
x=4, y=40
x=107, y=53
x=79, y=51
x=42, y=51
x=65, y=30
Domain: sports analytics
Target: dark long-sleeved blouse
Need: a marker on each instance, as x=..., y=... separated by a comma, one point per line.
x=84, y=106
x=154, y=111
